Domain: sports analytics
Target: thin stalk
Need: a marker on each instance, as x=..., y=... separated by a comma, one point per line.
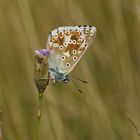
x=38, y=117
x=133, y=124
x=1, y=123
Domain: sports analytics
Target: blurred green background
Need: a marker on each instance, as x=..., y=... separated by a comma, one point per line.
x=112, y=68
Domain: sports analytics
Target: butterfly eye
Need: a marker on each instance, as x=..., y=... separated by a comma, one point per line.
x=75, y=58
x=51, y=51
x=65, y=44
x=67, y=64
x=61, y=47
x=63, y=57
x=74, y=41
x=74, y=51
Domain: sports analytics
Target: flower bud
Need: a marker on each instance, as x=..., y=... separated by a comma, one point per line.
x=41, y=73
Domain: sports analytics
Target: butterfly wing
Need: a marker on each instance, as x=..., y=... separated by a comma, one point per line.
x=67, y=45
x=89, y=32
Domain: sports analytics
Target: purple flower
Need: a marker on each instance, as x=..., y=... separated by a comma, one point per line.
x=43, y=52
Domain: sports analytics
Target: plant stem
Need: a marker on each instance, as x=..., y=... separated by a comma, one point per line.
x=133, y=124
x=38, y=117
x=1, y=123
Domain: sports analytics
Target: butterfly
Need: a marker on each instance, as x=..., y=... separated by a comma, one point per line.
x=65, y=47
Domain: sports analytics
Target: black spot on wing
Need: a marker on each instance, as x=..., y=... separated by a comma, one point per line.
x=85, y=25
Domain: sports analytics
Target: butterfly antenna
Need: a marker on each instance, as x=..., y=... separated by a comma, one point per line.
x=79, y=90
x=83, y=81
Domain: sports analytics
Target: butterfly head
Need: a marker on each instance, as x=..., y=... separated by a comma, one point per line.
x=63, y=81
x=58, y=77
x=66, y=79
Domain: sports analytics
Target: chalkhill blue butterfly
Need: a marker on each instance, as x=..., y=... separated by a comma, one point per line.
x=65, y=47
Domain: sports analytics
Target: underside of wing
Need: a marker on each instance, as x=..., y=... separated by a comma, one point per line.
x=67, y=45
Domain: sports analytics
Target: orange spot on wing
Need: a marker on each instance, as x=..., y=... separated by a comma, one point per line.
x=60, y=35
x=69, y=48
x=77, y=46
x=81, y=49
x=54, y=40
x=77, y=33
x=60, y=41
x=72, y=31
x=74, y=37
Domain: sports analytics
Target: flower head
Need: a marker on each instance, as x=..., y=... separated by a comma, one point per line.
x=41, y=74
x=43, y=52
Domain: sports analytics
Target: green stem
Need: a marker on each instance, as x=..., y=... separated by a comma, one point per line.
x=38, y=117
x=1, y=123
